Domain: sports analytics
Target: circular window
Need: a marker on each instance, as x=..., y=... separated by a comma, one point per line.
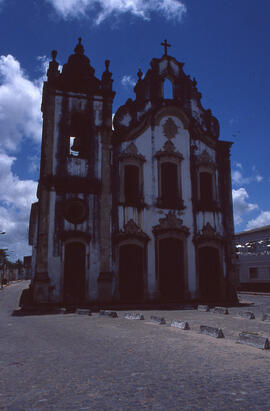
x=75, y=211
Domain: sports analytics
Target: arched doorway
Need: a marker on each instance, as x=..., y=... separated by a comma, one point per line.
x=131, y=282
x=209, y=273
x=74, y=273
x=171, y=269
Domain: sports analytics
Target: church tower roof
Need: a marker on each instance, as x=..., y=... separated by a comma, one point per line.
x=151, y=98
x=77, y=74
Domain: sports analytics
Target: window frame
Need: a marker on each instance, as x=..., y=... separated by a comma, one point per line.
x=139, y=164
x=161, y=202
x=254, y=275
x=204, y=164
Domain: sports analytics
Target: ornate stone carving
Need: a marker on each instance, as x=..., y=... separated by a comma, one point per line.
x=208, y=233
x=131, y=152
x=205, y=159
x=75, y=210
x=169, y=150
x=131, y=230
x=169, y=128
x=169, y=146
x=131, y=149
x=170, y=223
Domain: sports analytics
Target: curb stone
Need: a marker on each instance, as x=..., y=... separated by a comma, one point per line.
x=221, y=310
x=266, y=317
x=183, y=325
x=112, y=314
x=159, y=320
x=203, y=308
x=254, y=340
x=83, y=311
x=134, y=316
x=211, y=331
x=246, y=314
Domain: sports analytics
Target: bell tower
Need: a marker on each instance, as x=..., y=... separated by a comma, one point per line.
x=74, y=209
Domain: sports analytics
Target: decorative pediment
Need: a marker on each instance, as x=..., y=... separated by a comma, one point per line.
x=170, y=223
x=131, y=149
x=131, y=152
x=208, y=233
x=169, y=151
x=131, y=230
x=169, y=128
x=205, y=159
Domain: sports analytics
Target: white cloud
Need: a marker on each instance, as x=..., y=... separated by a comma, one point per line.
x=239, y=165
x=20, y=118
x=16, y=197
x=239, y=179
x=262, y=219
x=102, y=9
x=240, y=204
x=20, y=100
x=128, y=81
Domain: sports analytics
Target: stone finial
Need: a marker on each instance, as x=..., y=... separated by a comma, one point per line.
x=194, y=82
x=54, y=54
x=79, y=49
x=107, y=64
x=53, y=71
x=106, y=76
x=139, y=74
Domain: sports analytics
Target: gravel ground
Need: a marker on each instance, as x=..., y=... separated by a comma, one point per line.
x=77, y=362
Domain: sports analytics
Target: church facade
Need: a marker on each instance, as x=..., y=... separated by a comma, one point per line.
x=135, y=211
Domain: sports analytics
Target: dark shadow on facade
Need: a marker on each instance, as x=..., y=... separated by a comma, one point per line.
x=74, y=274
x=131, y=272
x=209, y=273
x=171, y=269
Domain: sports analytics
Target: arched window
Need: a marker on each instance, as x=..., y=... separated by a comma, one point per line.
x=207, y=193
x=131, y=184
x=167, y=89
x=169, y=178
x=169, y=184
x=131, y=176
x=79, y=142
x=131, y=272
x=206, y=187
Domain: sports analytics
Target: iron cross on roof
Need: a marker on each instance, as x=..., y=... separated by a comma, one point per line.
x=166, y=45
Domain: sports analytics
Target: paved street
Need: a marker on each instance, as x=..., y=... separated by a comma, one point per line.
x=76, y=362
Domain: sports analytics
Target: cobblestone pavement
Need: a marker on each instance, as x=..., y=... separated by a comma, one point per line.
x=77, y=362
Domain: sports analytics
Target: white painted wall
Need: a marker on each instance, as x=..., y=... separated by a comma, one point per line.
x=148, y=144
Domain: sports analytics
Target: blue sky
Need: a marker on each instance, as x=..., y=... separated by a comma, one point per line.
x=223, y=43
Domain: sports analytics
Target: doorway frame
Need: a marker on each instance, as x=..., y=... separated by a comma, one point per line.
x=85, y=241
x=136, y=243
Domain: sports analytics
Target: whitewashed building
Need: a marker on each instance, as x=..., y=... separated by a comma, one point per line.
x=252, y=264
x=135, y=212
